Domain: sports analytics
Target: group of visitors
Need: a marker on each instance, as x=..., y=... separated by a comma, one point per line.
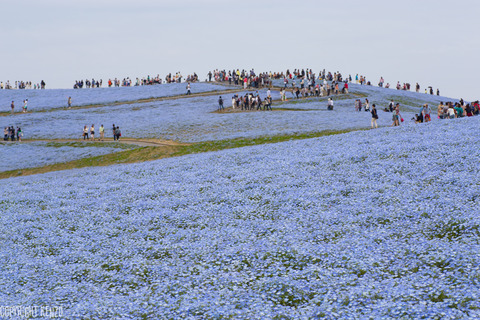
x=91, y=131
x=24, y=107
x=252, y=101
x=22, y=85
x=359, y=106
x=459, y=109
x=127, y=82
x=87, y=83
x=318, y=90
x=12, y=134
x=249, y=79
x=392, y=107
x=448, y=110
x=396, y=116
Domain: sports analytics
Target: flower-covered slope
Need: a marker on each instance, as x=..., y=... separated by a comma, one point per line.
x=37, y=154
x=373, y=224
x=192, y=120
x=57, y=98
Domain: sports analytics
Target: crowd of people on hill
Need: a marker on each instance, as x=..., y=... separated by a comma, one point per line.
x=449, y=110
x=249, y=79
x=22, y=85
x=12, y=134
x=127, y=82
x=79, y=84
x=249, y=102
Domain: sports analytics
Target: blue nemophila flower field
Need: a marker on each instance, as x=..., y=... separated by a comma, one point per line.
x=37, y=154
x=194, y=120
x=372, y=224
x=58, y=98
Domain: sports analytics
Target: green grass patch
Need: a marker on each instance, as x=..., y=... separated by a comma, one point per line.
x=96, y=144
x=247, y=142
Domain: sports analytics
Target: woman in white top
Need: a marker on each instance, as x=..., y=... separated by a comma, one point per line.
x=102, y=132
x=330, y=104
x=451, y=112
x=92, y=132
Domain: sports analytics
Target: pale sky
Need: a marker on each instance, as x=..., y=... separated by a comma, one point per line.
x=431, y=42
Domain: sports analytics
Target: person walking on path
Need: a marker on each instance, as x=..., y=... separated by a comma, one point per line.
x=188, y=89
x=85, y=133
x=69, y=102
x=92, y=132
x=118, y=134
x=102, y=132
x=12, y=106
x=374, y=116
x=25, y=103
